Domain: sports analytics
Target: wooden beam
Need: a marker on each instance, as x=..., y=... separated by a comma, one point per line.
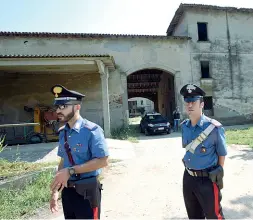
x=142, y=90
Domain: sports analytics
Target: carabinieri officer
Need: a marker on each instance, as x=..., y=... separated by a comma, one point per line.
x=83, y=151
x=204, y=141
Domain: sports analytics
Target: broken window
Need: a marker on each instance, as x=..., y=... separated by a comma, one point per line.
x=208, y=100
x=204, y=69
x=208, y=105
x=169, y=83
x=202, y=31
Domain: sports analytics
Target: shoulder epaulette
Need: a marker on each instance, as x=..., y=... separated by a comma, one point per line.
x=90, y=126
x=184, y=121
x=215, y=123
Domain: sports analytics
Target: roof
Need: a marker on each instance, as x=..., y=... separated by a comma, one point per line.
x=107, y=59
x=54, y=56
x=87, y=35
x=184, y=7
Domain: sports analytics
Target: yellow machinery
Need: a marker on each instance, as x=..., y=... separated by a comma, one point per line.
x=47, y=118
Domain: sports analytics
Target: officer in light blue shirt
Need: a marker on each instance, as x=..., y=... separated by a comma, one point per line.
x=204, y=141
x=87, y=142
x=83, y=151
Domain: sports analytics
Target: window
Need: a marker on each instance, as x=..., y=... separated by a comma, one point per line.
x=202, y=31
x=155, y=118
x=208, y=103
x=169, y=83
x=204, y=69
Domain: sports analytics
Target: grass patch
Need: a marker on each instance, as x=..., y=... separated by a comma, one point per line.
x=10, y=169
x=240, y=136
x=18, y=203
x=130, y=133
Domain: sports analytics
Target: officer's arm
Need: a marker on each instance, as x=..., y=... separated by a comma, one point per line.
x=91, y=165
x=60, y=165
x=221, y=160
x=99, y=152
x=221, y=147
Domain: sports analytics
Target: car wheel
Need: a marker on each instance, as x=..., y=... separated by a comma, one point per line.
x=168, y=131
x=35, y=139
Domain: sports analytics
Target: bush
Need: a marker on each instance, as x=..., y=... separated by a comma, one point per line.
x=130, y=133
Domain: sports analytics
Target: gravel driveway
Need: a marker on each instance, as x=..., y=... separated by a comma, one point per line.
x=148, y=184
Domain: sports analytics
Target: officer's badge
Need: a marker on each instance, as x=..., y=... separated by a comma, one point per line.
x=57, y=90
x=190, y=88
x=203, y=149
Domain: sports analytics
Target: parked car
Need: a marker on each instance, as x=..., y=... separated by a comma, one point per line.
x=154, y=123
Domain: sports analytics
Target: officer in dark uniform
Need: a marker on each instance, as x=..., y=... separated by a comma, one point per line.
x=83, y=151
x=204, y=141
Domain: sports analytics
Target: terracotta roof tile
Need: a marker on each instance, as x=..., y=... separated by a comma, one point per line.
x=87, y=35
x=53, y=55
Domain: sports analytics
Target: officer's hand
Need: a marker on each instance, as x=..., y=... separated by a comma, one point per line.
x=54, y=202
x=60, y=180
x=54, y=206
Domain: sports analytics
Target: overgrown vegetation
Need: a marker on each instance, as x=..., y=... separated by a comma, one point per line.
x=129, y=133
x=9, y=169
x=17, y=203
x=240, y=136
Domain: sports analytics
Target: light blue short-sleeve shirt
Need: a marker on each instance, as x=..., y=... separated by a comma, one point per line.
x=86, y=140
x=206, y=154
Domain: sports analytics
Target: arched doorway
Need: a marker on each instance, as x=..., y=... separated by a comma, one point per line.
x=156, y=85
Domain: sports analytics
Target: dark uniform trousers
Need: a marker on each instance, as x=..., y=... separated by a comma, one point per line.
x=76, y=207
x=202, y=197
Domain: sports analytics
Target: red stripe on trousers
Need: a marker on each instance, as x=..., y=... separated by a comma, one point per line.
x=95, y=213
x=216, y=201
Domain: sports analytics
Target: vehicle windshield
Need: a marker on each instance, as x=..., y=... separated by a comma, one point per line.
x=155, y=118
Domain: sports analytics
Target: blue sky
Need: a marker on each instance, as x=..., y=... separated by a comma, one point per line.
x=96, y=16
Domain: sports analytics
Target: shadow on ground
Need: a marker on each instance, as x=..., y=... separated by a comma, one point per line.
x=245, y=210
x=246, y=154
x=159, y=136
x=28, y=153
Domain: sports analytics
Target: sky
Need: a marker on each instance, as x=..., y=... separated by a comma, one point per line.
x=96, y=16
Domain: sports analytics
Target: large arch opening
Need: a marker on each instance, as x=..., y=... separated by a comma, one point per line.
x=155, y=85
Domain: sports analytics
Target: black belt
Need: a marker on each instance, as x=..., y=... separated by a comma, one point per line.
x=197, y=173
x=72, y=183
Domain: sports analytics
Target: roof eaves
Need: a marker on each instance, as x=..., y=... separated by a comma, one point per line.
x=53, y=55
x=105, y=58
x=86, y=35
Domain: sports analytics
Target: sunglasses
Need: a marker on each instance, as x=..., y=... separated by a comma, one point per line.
x=61, y=107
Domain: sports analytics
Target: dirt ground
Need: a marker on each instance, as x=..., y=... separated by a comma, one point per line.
x=147, y=184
